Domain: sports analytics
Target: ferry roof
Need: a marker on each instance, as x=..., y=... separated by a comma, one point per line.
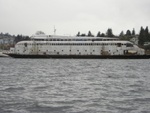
x=122, y=41
x=67, y=37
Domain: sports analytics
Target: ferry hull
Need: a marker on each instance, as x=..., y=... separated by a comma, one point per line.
x=82, y=56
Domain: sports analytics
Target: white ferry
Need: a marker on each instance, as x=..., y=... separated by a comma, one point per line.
x=49, y=46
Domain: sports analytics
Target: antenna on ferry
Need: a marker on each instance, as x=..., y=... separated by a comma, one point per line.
x=54, y=30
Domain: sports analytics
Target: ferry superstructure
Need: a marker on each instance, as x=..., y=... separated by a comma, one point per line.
x=48, y=46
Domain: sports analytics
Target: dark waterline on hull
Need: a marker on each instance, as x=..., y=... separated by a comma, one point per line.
x=83, y=56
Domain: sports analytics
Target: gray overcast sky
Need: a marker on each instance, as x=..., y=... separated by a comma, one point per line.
x=70, y=16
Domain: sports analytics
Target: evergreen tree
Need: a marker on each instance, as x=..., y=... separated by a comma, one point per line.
x=141, y=37
x=103, y=35
x=144, y=36
x=19, y=38
x=78, y=34
x=83, y=35
x=133, y=32
x=121, y=34
x=109, y=33
x=89, y=34
x=128, y=33
x=147, y=35
x=99, y=34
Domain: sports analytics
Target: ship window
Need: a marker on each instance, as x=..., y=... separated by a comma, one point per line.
x=119, y=44
x=25, y=44
x=129, y=45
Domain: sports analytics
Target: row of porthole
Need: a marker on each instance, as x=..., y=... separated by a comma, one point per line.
x=75, y=39
x=69, y=50
x=118, y=44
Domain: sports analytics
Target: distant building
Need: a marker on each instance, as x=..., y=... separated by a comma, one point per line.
x=6, y=41
x=135, y=39
x=146, y=43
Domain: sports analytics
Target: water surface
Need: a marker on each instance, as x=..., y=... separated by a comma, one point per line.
x=74, y=86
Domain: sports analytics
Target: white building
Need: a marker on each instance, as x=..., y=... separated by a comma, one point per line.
x=7, y=40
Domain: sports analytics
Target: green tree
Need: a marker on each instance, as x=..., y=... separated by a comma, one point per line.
x=109, y=33
x=133, y=32
x=121, y=34
x=128, y=33
x=144, y=36
x=141, y=37
x=99, y=34
x=78, y=34
x=147, y=35
x=103, y=35
x=90, y=34
x=83, y=35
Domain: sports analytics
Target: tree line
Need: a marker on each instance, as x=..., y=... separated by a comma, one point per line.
x=143, y=36
x=19, y=38
x=109, y=33
x=16, y=38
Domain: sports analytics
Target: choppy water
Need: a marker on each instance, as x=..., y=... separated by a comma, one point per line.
x=74, y=86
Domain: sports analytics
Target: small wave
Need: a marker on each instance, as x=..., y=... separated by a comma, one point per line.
x=142, y=99
x=5, y=111
x=47, y=109
x=11, y=89
x=125, y=109
x=40, y=88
